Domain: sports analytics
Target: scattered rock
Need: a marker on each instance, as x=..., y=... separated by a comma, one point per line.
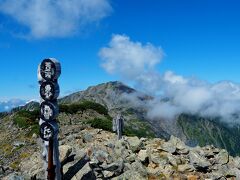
x=143, y=155
x=87, y=137
x=116, y=166
x=70, y=137
x=79, y=153
x=185, y=168
x=157, y=159
x=237, y=162
x=192, y=177
x=131, y=158
x=64, y=151
x=34, y=136
x=130, y=175
x=172, y=160
x=222, y=157
x=120, y=149
x=110, y=145
x=134, y=158
x=108, y=174
x=134, y=143
x=127, y=166
x=13, y=176
x=85, y=173
x=18, y=143
x=143, y=139
x=154, y=172
x=140, y=168
x=168, y=147
x=198, y=161
x=152, y=165
x=2, y=170
x=232, y=173
x=174, y=145
x=216, y=175
x=33, y=167
x=101, y=156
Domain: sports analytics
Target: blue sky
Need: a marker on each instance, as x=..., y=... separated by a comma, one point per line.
x=199, y=39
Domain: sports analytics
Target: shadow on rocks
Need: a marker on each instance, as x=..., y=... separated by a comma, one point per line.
x=73, y=170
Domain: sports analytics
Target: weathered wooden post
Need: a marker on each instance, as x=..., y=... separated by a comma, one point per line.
x=48, y=73
x=118, y=124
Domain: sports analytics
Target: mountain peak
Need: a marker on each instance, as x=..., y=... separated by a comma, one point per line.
x=108, y=94
x=113, y=85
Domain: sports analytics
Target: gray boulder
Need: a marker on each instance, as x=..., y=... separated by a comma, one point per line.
x=222, y=157
x=185, y=168
x=198, y=161
x=140, y=168
x=87, y=137
x=130, y=175
x=142, y=155
x=134, y=143
x=64, y=151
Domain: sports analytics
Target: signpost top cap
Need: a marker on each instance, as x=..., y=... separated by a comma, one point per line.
x=49, y=70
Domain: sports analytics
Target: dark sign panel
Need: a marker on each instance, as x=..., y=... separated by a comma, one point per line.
x=46, y=131
x=49, y=111
x=49, y=91
x=50, y=69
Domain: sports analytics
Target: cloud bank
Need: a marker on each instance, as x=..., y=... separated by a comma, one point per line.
x=55, y=18
x=174, y=93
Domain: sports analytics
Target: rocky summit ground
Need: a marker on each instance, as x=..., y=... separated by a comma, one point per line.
x=99, y=155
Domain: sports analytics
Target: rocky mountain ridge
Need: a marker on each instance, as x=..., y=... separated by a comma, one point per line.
x=192, y=129
x=99, y=155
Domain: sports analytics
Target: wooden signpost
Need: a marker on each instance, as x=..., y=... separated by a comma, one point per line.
x=48, y=73
x=118, y=125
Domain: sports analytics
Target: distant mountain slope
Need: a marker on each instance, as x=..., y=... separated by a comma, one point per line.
x=113, y=96
x=207, y=131
x=32, y=105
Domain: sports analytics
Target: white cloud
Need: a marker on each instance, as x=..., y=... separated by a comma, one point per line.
x=12, y=103
x=196, y=97
x=127, y=58
x=55, y=18
x=186, y=95
x=6, y=108
x=162, y=110
x=173, y=78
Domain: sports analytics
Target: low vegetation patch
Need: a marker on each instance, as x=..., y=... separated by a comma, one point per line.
x=15, y=165
x=27, y=119
x=74, y=108
x=138, y=128
x=7, y=149
x=141, y=129
x=105, y=124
